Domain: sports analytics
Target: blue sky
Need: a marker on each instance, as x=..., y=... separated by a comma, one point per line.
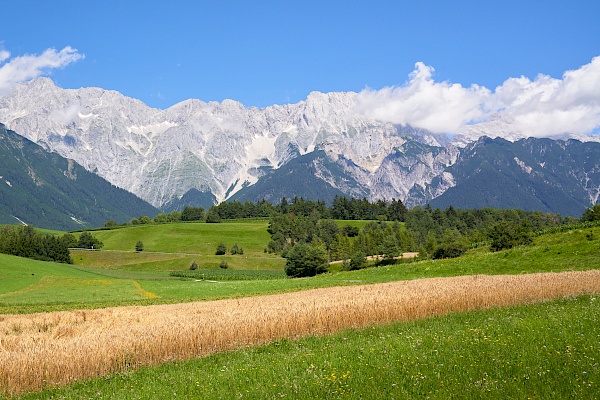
x=275, y=52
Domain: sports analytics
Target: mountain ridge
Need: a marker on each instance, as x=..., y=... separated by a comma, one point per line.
x=220, y=149
x=49, y=191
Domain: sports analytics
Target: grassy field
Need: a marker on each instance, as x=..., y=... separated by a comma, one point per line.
x=46, y=349
x=545, y=351
x=119, y=282
x=118, y=276
x=169, y=247
x=190, y=238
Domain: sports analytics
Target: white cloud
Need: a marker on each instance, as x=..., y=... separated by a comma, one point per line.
x=548, y=106
x=23, y=68
x=542, y=107
x=66, y=115
x=4, y=55
x=421, y=102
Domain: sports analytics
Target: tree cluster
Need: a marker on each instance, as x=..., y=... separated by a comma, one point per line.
x=433, y=233
x=591, y=214
x=386, y=239
x=222, y=249
x=24, y=241
x=87, y=241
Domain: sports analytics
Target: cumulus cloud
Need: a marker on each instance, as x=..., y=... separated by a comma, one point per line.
x=30, y=66
x=544, y=106
x=548, y=106
x=424, y=103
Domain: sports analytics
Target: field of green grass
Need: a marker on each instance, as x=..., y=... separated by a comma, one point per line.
x=171, y=247
x=546, y=351
x=540, y=351
x=109, y=278
x=189, y=238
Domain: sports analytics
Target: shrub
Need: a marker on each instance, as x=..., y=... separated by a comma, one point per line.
x=350, y=231
x=223, y=265
x=160, y=218
x=358, y=261
x=221, y=249
x=194, y=265
x=591, y=214
x=213, y=218
x=139, y=246
x=450, y=250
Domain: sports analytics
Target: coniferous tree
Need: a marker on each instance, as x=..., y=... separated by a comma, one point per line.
x=221, y=249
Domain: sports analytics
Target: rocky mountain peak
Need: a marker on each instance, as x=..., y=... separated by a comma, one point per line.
x=222, y=147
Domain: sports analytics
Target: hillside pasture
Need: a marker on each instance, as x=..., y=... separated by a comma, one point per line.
x=172, y=247
x=56, y=348
x=189, y=238
x=159, y=261
x=577, y=250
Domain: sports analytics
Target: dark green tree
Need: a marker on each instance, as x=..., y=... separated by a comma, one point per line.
x=452, y=245
x=591, y=214
x=221, y=249
x=174, y=216
x=190, y=213
x=506, y=235
x=213, y=217
x=389, y=248
x=87, y=241
x=304, y=260
x=235, y=249
x=358, y=261
x=160, y=218
x=139, y=246
x=350, y=231
x=69, y=240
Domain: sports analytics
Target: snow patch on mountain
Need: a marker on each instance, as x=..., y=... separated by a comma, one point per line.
x=524, y=167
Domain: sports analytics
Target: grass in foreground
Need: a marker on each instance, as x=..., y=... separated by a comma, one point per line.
x=548, y=350
x=52, y=348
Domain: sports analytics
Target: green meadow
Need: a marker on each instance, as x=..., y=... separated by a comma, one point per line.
x=118, y=276
x=169, y=247
x=545, y=350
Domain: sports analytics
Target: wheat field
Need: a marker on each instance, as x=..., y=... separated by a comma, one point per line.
x=47, y=349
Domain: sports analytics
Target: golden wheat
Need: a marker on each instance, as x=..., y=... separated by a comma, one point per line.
x=46, y=349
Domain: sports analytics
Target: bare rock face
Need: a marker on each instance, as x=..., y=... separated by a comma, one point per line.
x=160, y=155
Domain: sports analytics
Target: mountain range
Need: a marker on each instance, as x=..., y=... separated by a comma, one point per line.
x=197, y=153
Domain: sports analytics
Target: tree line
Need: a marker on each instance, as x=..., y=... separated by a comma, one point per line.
x=341, y=208
x=433, y=233
x=24, y=241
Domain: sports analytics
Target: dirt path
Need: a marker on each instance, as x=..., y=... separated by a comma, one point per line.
x=379, y=257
